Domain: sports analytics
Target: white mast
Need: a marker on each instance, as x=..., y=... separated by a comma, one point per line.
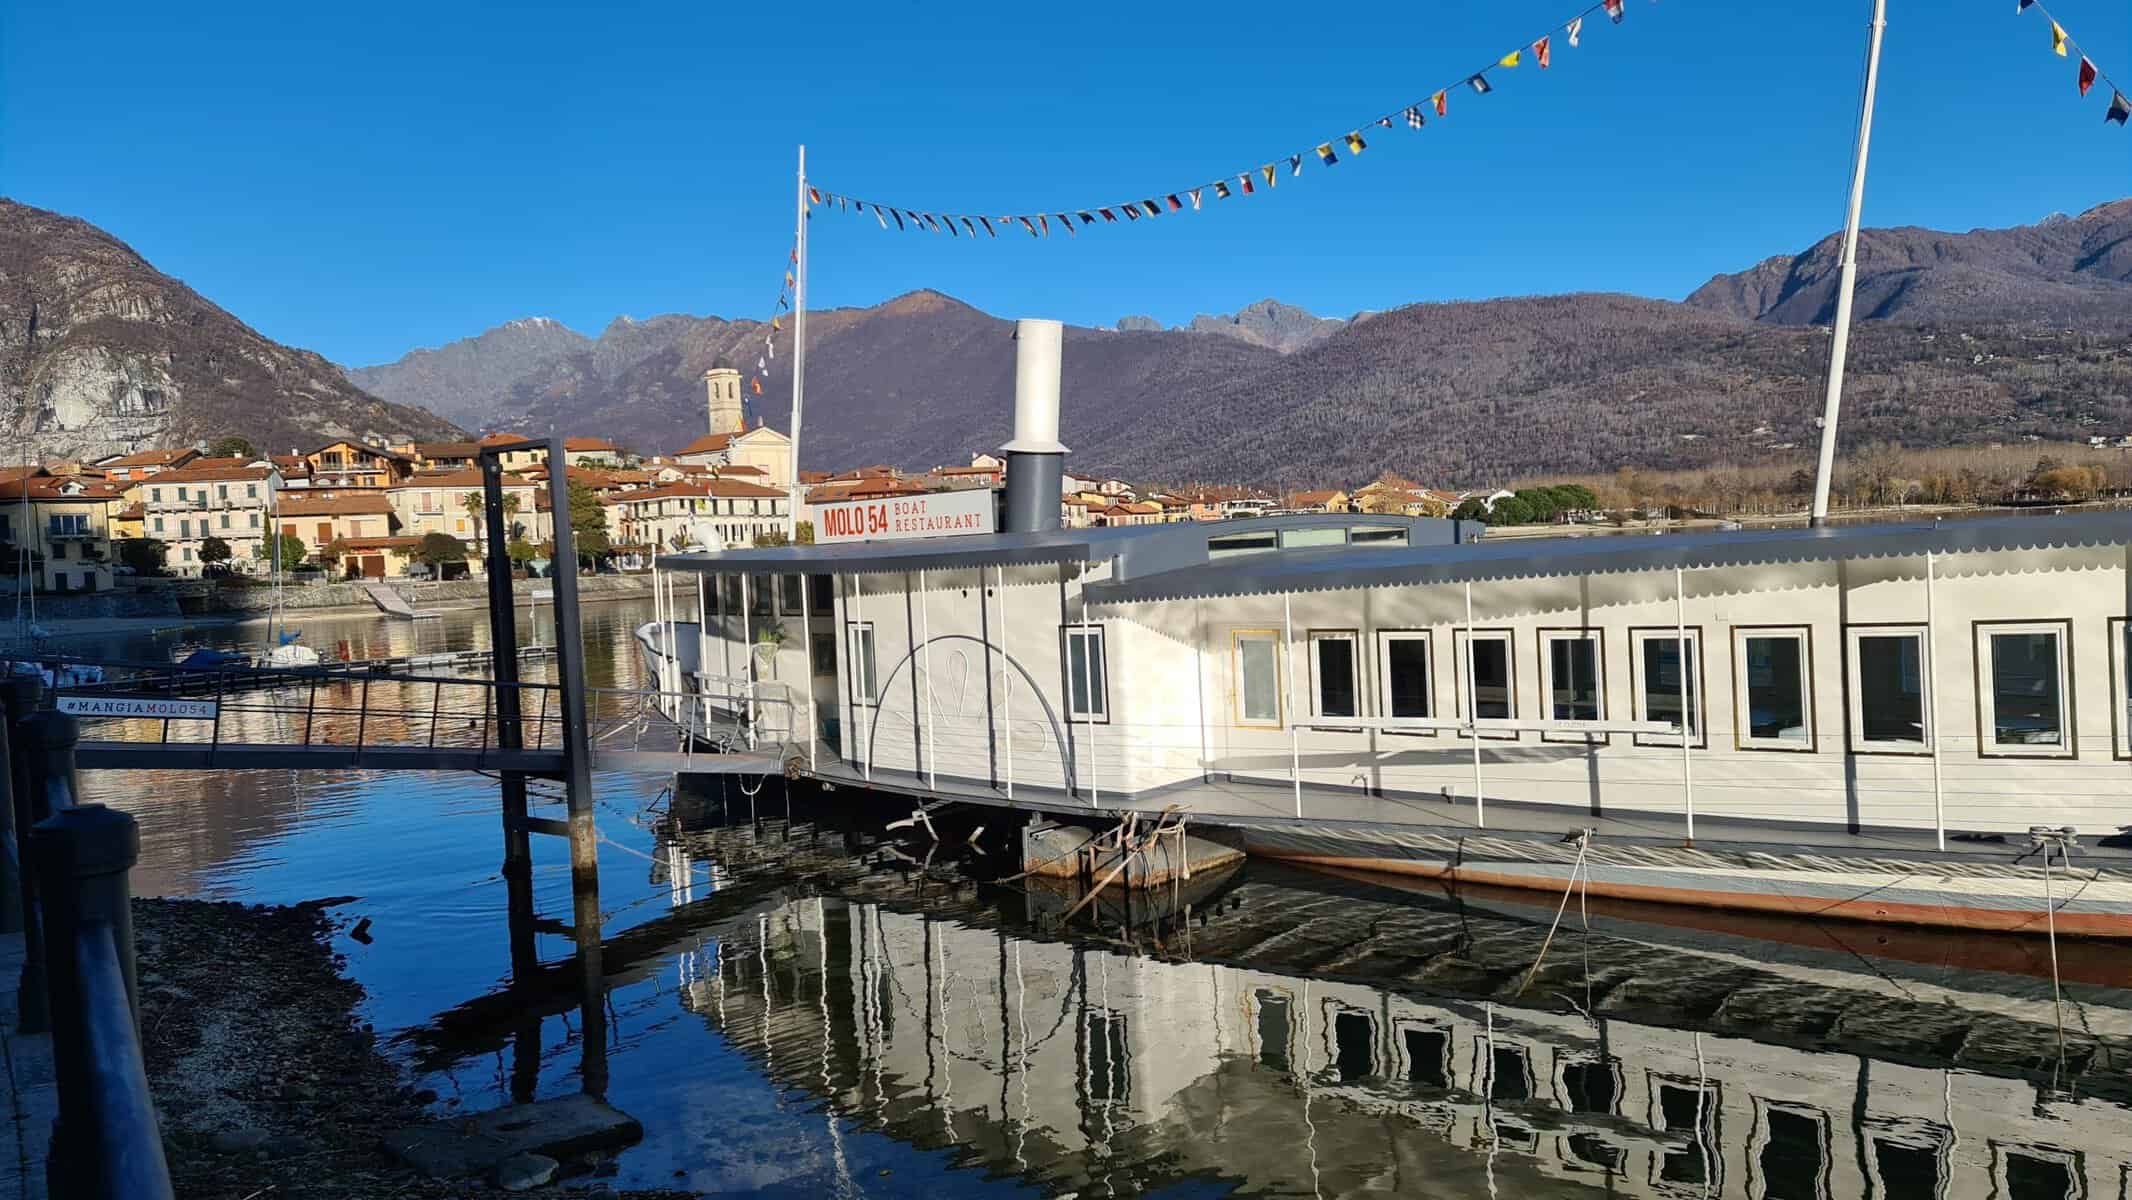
x=799, y=345
x=1847, y=280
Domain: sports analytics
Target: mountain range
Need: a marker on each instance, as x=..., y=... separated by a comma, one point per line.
x=1988, y=335
x=1980, y=336
x=101, y=353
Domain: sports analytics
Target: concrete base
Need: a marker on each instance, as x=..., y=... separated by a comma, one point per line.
x=1069, y=852
x=463, y=1147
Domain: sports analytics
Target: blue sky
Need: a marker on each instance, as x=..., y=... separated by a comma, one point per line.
x=363, y=180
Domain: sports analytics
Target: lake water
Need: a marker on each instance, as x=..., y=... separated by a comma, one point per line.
x=796, y=1008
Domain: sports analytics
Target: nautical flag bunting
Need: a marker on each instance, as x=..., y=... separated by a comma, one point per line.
x=1038, y=224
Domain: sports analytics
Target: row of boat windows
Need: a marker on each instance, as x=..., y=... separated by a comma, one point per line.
x=2023, y=672
x=1793, y=1151
x=2023, y=676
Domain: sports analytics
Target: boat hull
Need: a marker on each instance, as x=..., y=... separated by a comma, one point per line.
x=1997, y=895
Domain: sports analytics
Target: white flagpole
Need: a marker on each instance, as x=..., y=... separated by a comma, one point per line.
x=799, y=346
x=1848, y=278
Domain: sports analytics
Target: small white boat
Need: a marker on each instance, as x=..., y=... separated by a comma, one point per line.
x=292, y=653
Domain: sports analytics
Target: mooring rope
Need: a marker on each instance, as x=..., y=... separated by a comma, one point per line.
x=1584, y=841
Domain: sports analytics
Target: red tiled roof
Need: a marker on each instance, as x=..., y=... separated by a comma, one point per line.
x=709, y=443
x=190, y=474
x=335, y=504
x=148, y=458
x=454, y=477
x=49, y=487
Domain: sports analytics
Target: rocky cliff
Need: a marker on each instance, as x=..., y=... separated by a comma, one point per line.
x=101, y=353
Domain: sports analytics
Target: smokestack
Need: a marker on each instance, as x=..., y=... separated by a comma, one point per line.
x=1035, y=460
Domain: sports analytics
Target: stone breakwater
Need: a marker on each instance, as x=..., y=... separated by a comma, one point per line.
x=266, y=1080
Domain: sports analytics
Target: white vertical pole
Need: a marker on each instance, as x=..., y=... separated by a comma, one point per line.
x=1006, y=679
x=1295, y=735
x=925, y=632
x=1687, y=736
x=747, y=660
x=1088, y=676
x=799, y=346
x=1473, y=717
x=1847, y=281
x=697, y=702
x=807, y=648
x=860, y=668
x=1932, y=687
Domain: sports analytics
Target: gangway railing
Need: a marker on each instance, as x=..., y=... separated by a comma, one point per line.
x=151, y=714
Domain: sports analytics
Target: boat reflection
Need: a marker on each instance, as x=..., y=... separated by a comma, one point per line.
x=1291, y=1038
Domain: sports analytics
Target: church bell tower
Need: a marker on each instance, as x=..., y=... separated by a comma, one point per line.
x=722, y=403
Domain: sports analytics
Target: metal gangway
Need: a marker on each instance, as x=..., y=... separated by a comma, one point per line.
x=138, y=715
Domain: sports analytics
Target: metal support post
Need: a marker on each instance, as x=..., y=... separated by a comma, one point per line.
x=510, y=734
x=105, y=1141
x=34, y=1013
x=13, y=887
x=577, y=779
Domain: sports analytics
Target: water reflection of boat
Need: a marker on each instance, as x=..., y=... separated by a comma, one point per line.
x=1339, y=1039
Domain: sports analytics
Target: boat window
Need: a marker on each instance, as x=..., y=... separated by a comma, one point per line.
x=1592, y=1087
x=1655, y=659
x=825, y=654
x=1794, y=1159
x=1569, y=665
x=822, y=597
x=1273, y=1025
x=1243, y=543
x=2040, y=1174
x=1354, y=1045
x=1428, y=1056
x=1088, y=696
x=1377, y=535
x=1774, y=688
x=1403, y=674
x=1334, y=688
x=729, y=597
x=1298, y=539
x=1109, y=1058
x=860, y=647
x=1906, y=1163
x=1258, y=677
x=1686, y=1106
x=2023, y=692
x=1509, y=1075
x=1890, y=697
x=759, y=594
x=790, y=596
x=1487, y=674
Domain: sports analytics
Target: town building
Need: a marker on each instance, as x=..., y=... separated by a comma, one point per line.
x=186, y=507
x=341, y=529
x=125, y=468
x=450, y=502
x=713, y=514
x=728, y=440
x=520, y=459
x=441, y=456
x=583, y=451
x=61, y=526
x=352, y=464
x=1328, y=501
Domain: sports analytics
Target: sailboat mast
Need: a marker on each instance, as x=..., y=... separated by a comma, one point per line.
x=1847, y=277
x=799, y=344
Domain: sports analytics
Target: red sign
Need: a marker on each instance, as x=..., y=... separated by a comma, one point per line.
x=936, y=514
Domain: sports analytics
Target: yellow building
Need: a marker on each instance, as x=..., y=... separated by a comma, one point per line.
x=64, y=524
